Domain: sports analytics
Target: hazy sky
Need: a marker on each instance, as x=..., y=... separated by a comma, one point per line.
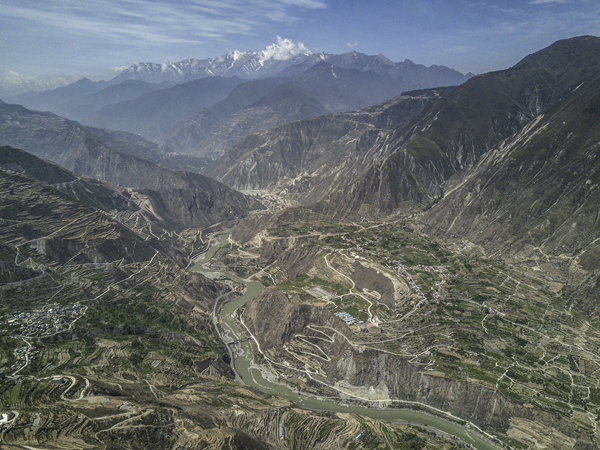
x=73, y=38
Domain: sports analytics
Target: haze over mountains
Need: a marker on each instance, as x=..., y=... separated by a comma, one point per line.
x=454, y=219
x=182, y=199
x=428, y=150
x=171, y=102
x=408, y=151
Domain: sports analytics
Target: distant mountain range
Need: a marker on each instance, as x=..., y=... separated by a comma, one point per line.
x=186, y=105
x=275, y=60
x=278, y=59
x=508, y=159
x=264, y=104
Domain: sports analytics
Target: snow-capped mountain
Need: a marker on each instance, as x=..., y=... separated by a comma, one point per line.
x=287, y=58
x=271, y=60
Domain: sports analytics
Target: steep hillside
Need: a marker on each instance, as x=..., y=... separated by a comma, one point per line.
x=452, y=134
x=154, y=113
x=536, y=193
x=264, y=104
x=134, y=144
x=213, y=131
x=310, y=159
x=129, y=206
x=182, y=199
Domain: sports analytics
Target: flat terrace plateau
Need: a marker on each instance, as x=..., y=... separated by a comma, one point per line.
x=442, y=306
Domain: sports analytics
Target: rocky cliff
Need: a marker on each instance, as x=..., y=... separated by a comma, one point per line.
x=538, y=189
x=450, y=136
x=263, y=314
x=356, y=371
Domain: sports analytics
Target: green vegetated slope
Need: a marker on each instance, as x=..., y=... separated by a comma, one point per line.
x=106, y=342
x=434, y=323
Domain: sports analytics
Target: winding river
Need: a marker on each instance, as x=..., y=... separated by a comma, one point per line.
x=252, y=376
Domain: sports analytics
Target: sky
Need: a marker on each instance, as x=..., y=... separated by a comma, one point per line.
x=59, y=41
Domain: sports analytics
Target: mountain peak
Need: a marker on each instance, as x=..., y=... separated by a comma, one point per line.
x=249, y=64
x=381, y=57
x=563, y=54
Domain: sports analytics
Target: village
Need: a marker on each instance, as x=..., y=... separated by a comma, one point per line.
x=44, y=322
x=272, y=202
x=48, y=320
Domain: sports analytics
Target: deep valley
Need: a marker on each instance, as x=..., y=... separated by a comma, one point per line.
x=330, y=256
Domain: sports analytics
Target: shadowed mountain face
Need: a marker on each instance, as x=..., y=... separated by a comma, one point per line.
x=98, y=194
x=122, y=92
x=451, y=135
x=87, y=236
x=263, y=104
x=52, y=100
x=214, y=130
x=154, y=113
x=181, y=199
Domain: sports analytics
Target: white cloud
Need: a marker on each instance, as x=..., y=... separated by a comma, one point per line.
x=12, y=77
x=72, y=35
x=351, y=44
x=160, y=22
x=313, y=4
x=284, y=49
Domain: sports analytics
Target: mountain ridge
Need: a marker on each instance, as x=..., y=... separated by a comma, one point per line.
x=451, y=135
x=190, y=198
x=283, y=59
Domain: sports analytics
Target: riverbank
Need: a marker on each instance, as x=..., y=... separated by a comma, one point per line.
x=251, y=374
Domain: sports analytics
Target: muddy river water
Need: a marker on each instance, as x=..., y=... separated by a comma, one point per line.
x=252, y=376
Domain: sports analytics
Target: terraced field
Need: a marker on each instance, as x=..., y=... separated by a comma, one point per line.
x=444, y=307
x=105, y=341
